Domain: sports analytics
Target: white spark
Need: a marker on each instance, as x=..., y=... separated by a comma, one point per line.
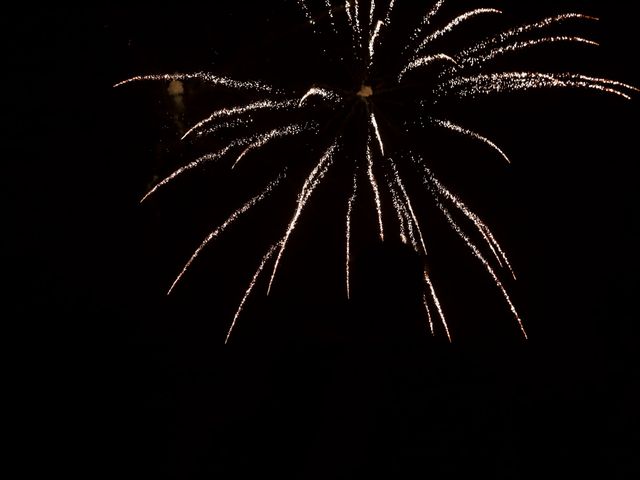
x=209, y=157
x=307, y=12
x=482, y=228
x=484, y=261
x=241, y=110
x=517, y=46
x=436, y=301
x=358, y=29
x=257, y=273
x=425, y=61
x=515, y=32
x=321, y=92
x=236, y=122
x=455, y=22
x=203, y=76
x=457, y=128
x=381, y=23
x=347, y=9
x=350, y=204
x=407, y=202
x=262, y=140
x=426, y=20
x=355, y=34
x=400, y=213
x=374, y=187
x=485, y=84
x=376, y=130
x=372, y=10
x=428, y=310
x=372, y=41
x=327, y=4
x=387, y=17
x=230, y=220
x=312, y=181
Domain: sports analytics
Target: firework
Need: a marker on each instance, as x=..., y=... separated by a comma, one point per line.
x=456, y=73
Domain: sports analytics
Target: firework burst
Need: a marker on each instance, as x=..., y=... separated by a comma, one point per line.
x=433, y=73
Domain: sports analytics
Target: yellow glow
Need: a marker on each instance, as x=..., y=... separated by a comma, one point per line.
x=365, y=91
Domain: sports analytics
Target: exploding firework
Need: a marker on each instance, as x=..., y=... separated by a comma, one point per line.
x=429, y=71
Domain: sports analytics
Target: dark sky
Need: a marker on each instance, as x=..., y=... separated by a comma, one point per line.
x=114, y=378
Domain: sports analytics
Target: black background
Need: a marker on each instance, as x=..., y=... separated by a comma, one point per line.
x=114, y=378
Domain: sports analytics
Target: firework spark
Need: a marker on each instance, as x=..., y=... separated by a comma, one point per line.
x=232, y=218
x=312, y=181
x=464, y=73
x=350, y=203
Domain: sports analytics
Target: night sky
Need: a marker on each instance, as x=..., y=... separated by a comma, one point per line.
x=115, y=379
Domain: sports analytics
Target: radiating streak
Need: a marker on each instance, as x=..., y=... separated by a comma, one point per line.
x=523, y=81
x=387, y=17
x=312, y=181
x=372, y=41
x=400, y=214
x=457, y=128
x=240, y=110
x=330, y=12
x=518, y=46
x=484, y=261
x=374, y=187
x=347, y=9
x=426, y=20
x=355, y=35
x=230, y=220
x=209, y=157
x=320, y=92
x=605, y=81
x=372, y=10
x=262, y=140
x=407, y=202
x=203, y=76
x=436, y=301
x=426, y=307
x=405, y=219
x=307, y=12
x=385, y=22
x=410, y=228
x=454, y=23
x=358, y=29
x=482, y=228
x=350, y=204
x=517, y=31
x=252, y=284
x=424, y=61
x=374, y=124
x=236, y=122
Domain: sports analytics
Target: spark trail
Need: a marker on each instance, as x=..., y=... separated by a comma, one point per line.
x=232, y=218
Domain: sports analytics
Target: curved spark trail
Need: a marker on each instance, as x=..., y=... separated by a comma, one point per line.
x=232, y=218
x=350, y=203
x=362, y=34
x=252, y=284
x=203, y=76
x=312, y=181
